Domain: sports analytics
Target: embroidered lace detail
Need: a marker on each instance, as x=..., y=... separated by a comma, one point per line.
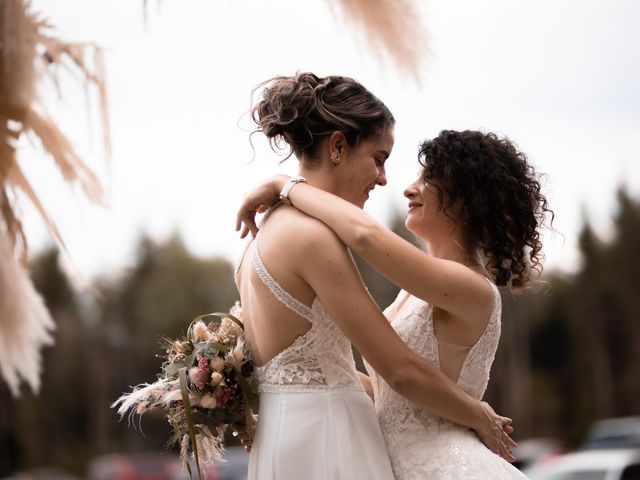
x=318, y=361
x=422, y=445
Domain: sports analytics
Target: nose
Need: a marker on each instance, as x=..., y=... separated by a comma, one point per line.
x=382, y=177
x=410, y=191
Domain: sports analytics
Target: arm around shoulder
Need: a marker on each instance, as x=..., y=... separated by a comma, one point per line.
x=331, y=272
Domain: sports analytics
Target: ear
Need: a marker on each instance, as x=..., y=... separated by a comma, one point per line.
x=337, y=146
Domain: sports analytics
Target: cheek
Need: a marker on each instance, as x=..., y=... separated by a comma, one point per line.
x=368, y=168
x=362, y=177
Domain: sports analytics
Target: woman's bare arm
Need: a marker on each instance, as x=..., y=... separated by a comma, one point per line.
x=443, y=283
x=331, y=272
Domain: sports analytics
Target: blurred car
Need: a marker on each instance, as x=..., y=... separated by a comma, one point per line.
x=152, y=466
x=533, y=450
x=621, y=432
x=609, y=464
x=44, y=473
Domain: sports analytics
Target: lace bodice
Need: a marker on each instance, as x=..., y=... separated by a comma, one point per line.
x=319, y=360
x=420, y=443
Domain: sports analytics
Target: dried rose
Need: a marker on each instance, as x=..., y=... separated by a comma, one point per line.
x=216, y=378
x=217, y=364
x=207, y=401
x=194, y=372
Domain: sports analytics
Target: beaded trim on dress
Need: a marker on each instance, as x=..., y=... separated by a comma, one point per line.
x=280, y=293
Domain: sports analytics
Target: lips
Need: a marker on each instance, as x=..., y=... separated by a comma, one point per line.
x=414, y=205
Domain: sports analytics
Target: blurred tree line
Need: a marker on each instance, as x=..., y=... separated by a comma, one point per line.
x=568, y=353
x=103, y=347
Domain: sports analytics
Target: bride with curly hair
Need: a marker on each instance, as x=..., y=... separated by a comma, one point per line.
x=477, y=204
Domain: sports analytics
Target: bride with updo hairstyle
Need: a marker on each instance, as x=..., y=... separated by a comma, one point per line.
x=299, y=112
x=304, y=303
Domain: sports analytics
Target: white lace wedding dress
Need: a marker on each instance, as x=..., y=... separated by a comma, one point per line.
x=421, y=445
x=315, y=420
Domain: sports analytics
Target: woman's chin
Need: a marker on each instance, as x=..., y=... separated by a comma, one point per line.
x=360, y=202
x=408, y=222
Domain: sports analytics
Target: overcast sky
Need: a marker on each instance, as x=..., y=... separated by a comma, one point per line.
x=561, y=79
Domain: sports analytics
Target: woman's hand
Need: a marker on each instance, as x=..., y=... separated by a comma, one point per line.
x=494, y=433
x=365, y=381
x=258, y=200
x=245, y=432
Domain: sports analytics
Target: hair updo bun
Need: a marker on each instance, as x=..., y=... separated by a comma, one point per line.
x=497, y=198
x=301, y=110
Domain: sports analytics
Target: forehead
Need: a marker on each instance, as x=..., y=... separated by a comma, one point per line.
x=384, y=141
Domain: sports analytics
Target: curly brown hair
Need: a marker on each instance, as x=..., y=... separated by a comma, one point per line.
x=497, y=198
x=303, y=109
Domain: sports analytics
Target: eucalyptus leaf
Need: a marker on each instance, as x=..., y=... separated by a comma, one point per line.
x=219, y=346
x=172, y=368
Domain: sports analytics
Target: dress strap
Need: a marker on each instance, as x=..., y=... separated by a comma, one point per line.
x=280, y=293
x=496, y=311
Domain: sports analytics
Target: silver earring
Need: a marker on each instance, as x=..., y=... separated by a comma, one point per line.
x=336, y=158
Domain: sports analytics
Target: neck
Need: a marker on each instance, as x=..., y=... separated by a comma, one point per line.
x=319, y=178
x=449, y=245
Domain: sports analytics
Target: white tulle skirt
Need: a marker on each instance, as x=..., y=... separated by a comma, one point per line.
x=318, y=436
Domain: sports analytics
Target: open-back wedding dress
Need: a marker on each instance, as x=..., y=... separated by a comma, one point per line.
x=315, y=420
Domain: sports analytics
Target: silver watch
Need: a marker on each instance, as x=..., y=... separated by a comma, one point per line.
x=284, y=193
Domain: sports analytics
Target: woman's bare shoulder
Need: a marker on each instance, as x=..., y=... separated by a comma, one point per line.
x=301, y=243
x=293, y=227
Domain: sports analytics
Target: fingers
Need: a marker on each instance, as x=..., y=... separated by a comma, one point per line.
x=245, y=436
x=508, y=441
x=507, y=428
x=247, y=444
x=506, y=454
x=501, y=443
x=497, y=438
x=500, y=449
x=254, y=228
x=245, y=219
x=505, y=446
x=247, y=224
